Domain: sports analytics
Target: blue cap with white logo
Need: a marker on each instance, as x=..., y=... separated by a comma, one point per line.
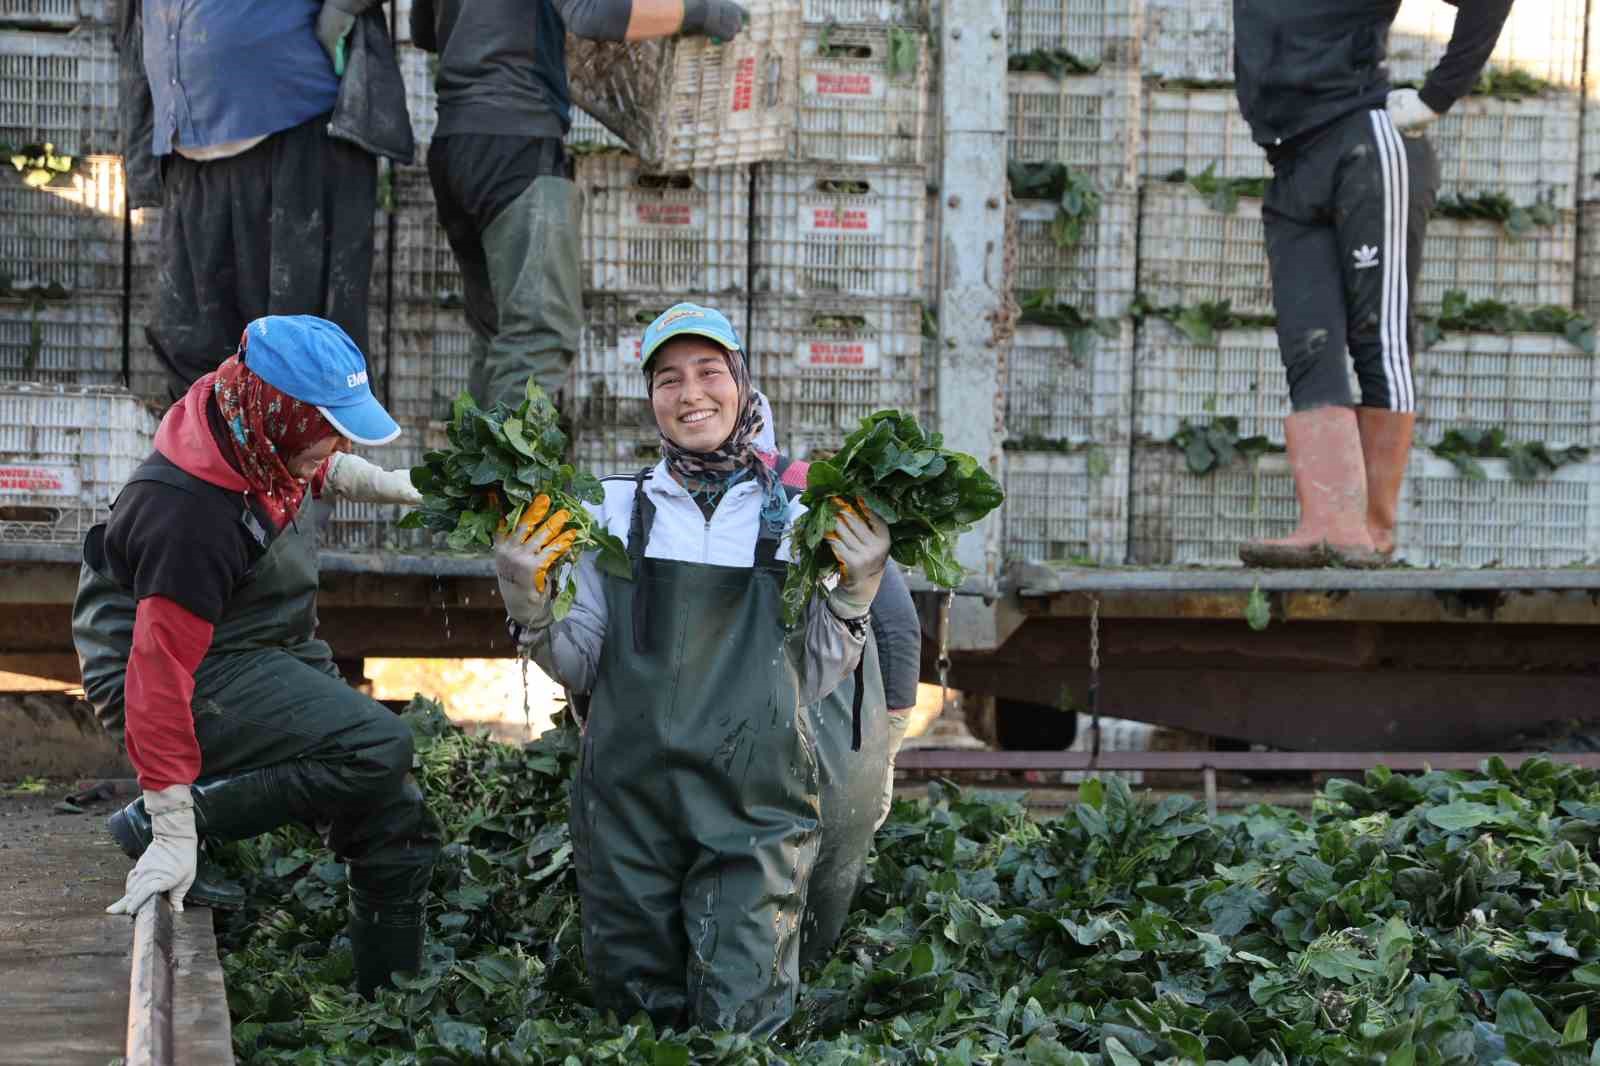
x=692, y=320
x=316, y=362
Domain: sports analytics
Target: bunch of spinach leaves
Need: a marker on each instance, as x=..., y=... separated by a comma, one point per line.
x=1458, y=313
x=1498, y=207
x=497, y=462
x=1213, y=445
x=1528, y=460
x=926, y=493
x=1076, y=198
x=1222, y=194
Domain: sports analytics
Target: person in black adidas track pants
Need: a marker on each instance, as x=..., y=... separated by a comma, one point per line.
x=1345, y=213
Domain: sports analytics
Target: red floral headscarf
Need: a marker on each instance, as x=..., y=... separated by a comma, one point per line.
x=265, y=426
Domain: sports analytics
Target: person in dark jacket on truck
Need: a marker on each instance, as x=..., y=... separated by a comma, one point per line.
x=195, y=624
x=1353, y=180
x=501, y=178
x=256, y=126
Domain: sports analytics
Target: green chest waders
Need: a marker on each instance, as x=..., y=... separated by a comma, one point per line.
x=694, y=809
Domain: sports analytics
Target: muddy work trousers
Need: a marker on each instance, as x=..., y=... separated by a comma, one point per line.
x=510, y=212
x=282, y=229
x=1345, y=216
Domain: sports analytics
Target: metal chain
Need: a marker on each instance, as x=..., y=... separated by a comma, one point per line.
x=944, y=648
x=1094, y=676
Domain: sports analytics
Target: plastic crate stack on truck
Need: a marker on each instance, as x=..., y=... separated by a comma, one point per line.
x=1502, y=368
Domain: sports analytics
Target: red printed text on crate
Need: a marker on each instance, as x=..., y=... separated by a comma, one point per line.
x=862, y=355
x=39, y=480
x=815, y=219
x=856, y=85
x=744, y=84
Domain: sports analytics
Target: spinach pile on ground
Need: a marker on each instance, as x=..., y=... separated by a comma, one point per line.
x=497, y=463
x=1447, y=919
x=926, y=493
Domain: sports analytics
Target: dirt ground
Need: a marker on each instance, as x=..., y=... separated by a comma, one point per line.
x=63, y=960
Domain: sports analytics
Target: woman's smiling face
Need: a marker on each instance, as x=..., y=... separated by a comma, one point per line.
x=694, y=394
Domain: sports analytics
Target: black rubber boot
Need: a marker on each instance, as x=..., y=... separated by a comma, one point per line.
x=385, y=940
x=232, y=807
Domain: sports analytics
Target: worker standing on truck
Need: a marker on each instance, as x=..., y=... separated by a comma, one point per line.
x=856, y=745
x=501, y=178
x=695, y=805
x=1353, y=180
x=255, y=125
x=195, y=624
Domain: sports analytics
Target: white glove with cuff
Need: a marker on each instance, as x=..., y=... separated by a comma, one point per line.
x=354, y=478
x=1407, y=111
x=169, y=863
x=860, y=543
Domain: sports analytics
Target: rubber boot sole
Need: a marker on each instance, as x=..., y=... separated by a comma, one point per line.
x=210, y=888
x=1284, y=556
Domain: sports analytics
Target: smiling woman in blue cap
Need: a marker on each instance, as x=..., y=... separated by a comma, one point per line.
x=195, y=624
x=695, y=807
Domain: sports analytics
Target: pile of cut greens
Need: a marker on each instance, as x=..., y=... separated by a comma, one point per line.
x=497, y=462
x=1446, y=919
x=926, y=493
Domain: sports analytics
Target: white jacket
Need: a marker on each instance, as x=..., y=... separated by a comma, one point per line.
x=569, y=651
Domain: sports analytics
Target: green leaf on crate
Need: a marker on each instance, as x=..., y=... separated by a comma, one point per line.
x=1207, y=447
x=1257, y=611
x=1459, y=313
x=1096, y=463
x=905, y=52
x=1222, y=194
x=1202, y=322
x=1527, y=460
x=1056, y=62
x=1498, y=207
x=1076, y=198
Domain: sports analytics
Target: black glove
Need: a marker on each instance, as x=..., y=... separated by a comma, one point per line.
x=720, y=19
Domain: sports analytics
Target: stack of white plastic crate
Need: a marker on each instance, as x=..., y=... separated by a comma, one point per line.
x=1536, y=387
x=1068, y=391
x=1588, y=283
x=841, y=226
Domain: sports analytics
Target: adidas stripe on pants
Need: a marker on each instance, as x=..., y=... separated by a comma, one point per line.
x=1345, y=216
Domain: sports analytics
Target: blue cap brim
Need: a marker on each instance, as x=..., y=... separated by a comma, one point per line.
x=687, y=331
x=364, y=423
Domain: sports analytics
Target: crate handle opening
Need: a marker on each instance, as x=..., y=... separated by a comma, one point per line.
x=772, y=87
x=839, y=323
x=843, y=187
x=665, y=181
x=35, y=515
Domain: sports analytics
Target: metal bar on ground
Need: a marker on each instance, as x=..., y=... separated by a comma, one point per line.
x=927, y=759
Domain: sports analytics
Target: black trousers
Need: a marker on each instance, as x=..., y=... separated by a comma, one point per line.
x=1345, y=216
x=282, y=229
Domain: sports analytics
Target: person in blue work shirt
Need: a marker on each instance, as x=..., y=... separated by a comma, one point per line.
x=256, y=125
x=695, y=808
x=501, y=176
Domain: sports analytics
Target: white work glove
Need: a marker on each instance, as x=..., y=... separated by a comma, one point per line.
x=355, y=478
x=524, y=560
x=721, y=20
x=168, y=864
x=1407, y=111
x=333, y=26
x=860, y=542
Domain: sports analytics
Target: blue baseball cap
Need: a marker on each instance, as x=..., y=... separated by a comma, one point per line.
x=316, y=362
x=688, y=319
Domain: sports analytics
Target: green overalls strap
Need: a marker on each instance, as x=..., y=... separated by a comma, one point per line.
x=694, y=808
x=851, y=725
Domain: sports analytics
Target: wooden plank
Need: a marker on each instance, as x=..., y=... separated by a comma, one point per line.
x=927, y=759
x=151, y=987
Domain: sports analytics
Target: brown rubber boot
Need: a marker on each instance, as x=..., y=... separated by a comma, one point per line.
x=1330, y=480
x=1386, y=446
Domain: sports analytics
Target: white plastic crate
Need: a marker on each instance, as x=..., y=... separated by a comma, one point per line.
x=1191, y=129
x=1177, y=381
x=644, y=232
x=1055, y=395
x=1586, y=297
x=53, y=14
x=417, y=70
x=1116, y=734
x=1589, y=162
x=1535, y=386
x=609, y=385
x=933, y=127
x=824, y=230
x=852, y=109
x=1188, y=40
x=1067, y=505
x=1090, y=122
x=1095, y=275
x=1487, y=263
x=1095, y=31
x=1190, y=253
x=68, y=232
x=1182, y=519
x=865, y=12
x=1526, y=149
x=827, y=364
x=60, y=89
x=65, y=452
x=1540, y=37
x=372, y=527
x=606, y=452
x=1447, y=519
x=932, y=281
x=429, y=359
x=424, y=268
x=77, y=341
x=683, y=102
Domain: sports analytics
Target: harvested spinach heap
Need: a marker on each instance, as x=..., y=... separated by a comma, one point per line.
x=498, y=461
x=927, y=494
x=1446, y=919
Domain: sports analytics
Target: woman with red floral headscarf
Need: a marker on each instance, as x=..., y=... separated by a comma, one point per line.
x=195, y=624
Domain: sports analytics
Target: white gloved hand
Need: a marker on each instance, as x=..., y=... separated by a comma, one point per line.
x=168, y=864
x=524, y=560
x=355, y=478
x=1407, y=111
x=860, y=542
